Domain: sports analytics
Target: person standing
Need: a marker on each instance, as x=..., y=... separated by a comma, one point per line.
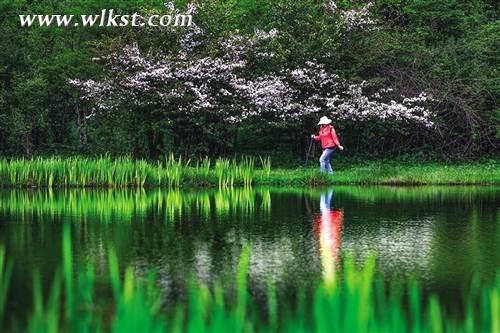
x=329, y=141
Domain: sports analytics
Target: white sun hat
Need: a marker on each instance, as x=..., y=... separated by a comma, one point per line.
x=324, y=121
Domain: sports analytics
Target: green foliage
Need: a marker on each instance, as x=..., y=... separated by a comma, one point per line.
x=448, y=48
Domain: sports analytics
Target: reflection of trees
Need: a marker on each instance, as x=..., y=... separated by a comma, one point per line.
x=401, y=246
x=465, y=241
x=418, y=195
x=199, y=233
x=440, y=234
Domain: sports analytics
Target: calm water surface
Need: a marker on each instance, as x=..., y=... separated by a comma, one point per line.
x=441, y=235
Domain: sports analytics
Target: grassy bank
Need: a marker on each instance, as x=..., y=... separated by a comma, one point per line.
x=352, y=300
x=174, y=173
x=387, y=173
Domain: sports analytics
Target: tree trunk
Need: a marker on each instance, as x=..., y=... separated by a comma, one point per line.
x=151, y=143
x=27, y=145
x=82, y=126
x=187, y=147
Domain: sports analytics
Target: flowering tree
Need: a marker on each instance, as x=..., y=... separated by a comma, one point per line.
x=215, y=85
x=222, y=83
x=191, y=84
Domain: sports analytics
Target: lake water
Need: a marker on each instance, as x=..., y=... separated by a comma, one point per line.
x=440, y=235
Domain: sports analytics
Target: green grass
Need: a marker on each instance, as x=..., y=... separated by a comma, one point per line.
x=172, y=172
x=354, y=300
x=387, y=173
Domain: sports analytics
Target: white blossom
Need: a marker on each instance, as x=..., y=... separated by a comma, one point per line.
x=358, y=18
x=223, y=84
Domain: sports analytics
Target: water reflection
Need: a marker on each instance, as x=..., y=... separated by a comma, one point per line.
x=441, y=235
x=328, y=228
x=123, y=205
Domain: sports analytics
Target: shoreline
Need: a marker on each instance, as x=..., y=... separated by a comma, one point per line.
x=105, y=172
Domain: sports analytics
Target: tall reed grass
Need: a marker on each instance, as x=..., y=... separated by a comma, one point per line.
x=355, y=300
x=171, y=172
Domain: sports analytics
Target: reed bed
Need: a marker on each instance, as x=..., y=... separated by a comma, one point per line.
x=354, y=300
x=171, y=172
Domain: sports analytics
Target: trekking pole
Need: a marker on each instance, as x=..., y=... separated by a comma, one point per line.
x=309, y=150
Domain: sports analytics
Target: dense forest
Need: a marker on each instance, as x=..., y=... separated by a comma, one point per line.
x=399, y=77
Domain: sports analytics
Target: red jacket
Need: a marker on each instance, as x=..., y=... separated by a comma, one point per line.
x=328, y=137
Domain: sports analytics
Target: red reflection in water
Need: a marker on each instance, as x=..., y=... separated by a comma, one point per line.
x=328, y=228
